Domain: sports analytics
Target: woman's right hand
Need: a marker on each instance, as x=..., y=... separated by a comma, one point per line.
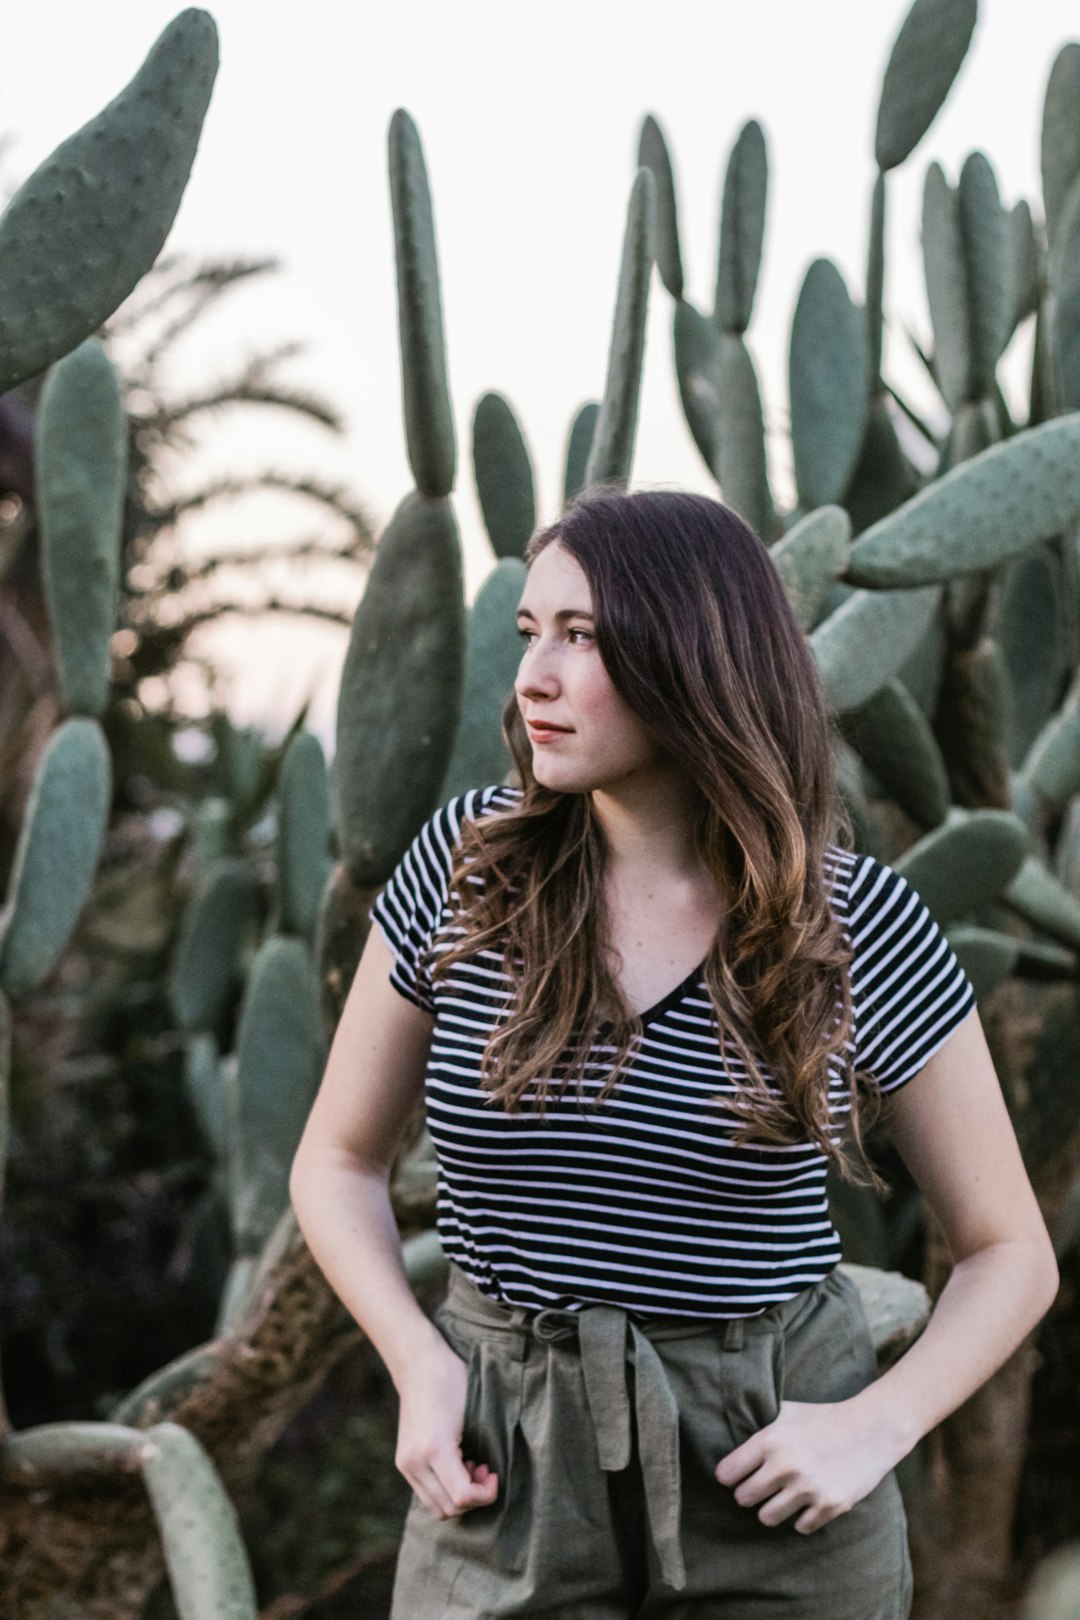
x=430, y=1425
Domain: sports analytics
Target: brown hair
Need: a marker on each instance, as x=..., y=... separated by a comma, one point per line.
x=697, y=636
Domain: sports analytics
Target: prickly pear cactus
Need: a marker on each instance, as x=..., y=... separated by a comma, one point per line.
x=718, y=384
x=90, y=221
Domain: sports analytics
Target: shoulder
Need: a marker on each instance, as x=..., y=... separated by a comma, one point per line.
x=415, y=894
x=436, y=841
x=477, y=803
x=845, y=871
x=866, y=892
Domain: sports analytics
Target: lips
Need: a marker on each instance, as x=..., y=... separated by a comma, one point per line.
x=540, y=726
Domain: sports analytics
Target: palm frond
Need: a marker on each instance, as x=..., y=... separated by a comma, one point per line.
x=334, y=496
x=239, y=392
x=210, y=279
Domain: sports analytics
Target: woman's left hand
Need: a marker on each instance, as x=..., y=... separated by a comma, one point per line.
x=816, y=1459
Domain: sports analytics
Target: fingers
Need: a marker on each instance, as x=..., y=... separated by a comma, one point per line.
x=781, y=1497
x=820, y=1514
x=783, y=1505
x=742, y=1461
x=457, y=1487
x=757, y=1486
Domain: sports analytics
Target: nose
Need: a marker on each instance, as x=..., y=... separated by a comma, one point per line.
x=536, y=674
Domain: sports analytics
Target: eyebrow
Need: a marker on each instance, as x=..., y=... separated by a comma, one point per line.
x=561, y=615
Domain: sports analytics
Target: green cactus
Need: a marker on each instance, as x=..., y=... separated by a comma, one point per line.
x=56, y=855
x=1023, y=262
x=925, y=59
x=208, y=1567
x=504, y=476
x=280, y=1055
x=81, y=456
x=987, y=957
x=429, y=421
x=241, y=761
x=202, y=1077
x=718, y=384
x=90, y=221
x=612, y=448
x=984, y=232
x=965, y=861
x=1060, y=135
x=892, y=625
x=578, y=445
x=208, y=961
x=303, y=858
x=947, y=291
x=981, y=513
x=892, y=736
x=875, y=289
x=697, y=366
x=1064, y=315
x=809, y=559
x=401, y=688
x=742, y=230
x=653, y=155
x=491, y=662
x=827, y=372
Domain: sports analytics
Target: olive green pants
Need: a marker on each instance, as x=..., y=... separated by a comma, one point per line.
x=605, y=1429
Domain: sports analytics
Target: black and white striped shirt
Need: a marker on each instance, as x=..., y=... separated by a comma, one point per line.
x=646, y=1203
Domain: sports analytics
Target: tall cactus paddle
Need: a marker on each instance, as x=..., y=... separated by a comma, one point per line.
x=57, y=853
x=504, y=475
x=429, y=419
x=401, y=688
x=80, y=475
x=92, y=218
x=612, y=450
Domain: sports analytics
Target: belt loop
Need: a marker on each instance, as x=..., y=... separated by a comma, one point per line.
x=733, y=1335
x=519, y=1336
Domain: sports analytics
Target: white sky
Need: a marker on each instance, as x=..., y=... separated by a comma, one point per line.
x=529, y=119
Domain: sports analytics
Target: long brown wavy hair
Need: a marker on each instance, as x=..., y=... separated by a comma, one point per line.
x=696, y=634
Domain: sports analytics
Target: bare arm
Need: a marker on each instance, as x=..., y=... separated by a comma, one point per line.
x=339, y=1187
x=951, y=1126
x=339, y=1183
x=953, y=1130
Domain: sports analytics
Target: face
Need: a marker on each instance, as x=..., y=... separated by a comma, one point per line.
x=562, y=680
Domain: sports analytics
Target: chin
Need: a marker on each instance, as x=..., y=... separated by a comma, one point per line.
x=565, y=777
x=557, y=772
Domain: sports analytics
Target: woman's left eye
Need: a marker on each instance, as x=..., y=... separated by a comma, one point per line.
x=525, y=634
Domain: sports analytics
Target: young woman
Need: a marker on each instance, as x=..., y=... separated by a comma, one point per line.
x=651, y=995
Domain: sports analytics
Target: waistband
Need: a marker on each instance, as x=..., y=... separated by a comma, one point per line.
x=602, y=1333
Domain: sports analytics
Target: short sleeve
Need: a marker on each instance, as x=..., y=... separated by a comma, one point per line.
x=908, y=987
x=409, y=907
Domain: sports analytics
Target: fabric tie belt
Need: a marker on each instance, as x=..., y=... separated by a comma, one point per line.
x=602, y=1332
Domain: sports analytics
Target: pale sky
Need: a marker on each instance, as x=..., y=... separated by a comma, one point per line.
x=529, y=119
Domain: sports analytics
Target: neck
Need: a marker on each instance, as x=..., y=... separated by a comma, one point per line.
x=647, y=824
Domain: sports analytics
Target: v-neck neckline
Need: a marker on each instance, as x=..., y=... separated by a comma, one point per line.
x=667, y=1002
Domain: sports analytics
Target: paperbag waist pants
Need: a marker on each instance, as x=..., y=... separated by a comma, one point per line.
x=605, y=1429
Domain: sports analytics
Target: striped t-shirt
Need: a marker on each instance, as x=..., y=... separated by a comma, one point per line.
x=646, y=1203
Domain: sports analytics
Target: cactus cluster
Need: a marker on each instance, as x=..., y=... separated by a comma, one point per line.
x=943, y=611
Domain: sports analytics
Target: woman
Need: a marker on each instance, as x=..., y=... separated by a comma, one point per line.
x=646, y=995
